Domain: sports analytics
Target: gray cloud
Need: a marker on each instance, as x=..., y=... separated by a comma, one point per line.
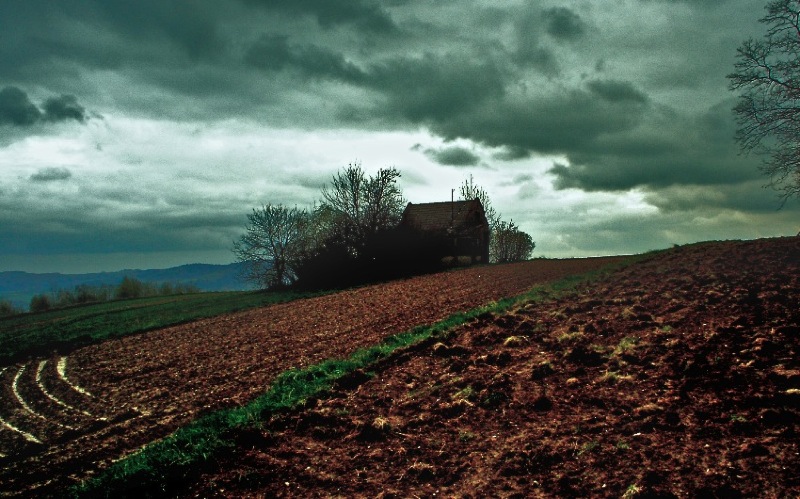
x=56, y=45
x=665, y=150
x=453, y=156
x=746, y=196
x=460, y=77
x=612, y=97
x=512, y=153
x=274, y=53
x=17, y=109
x=51, y=174
x=361, y=14
x=63, y=108
x=192, y=27
x=616, y=91
x=434, y=88
x=41, y=219
x=570, y=121
x=693, y=3
x=562, y=23
x=73, y=29
x=530, y=50
x=536, y=56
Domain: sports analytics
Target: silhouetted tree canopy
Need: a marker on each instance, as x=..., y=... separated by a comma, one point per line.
x=470, y=190
x=509, y=244
x=506, y=242
x=362, y=205
x=767, y=78
x=348, y=231
x=272, y=244
x=333, y=245
x=354, y=236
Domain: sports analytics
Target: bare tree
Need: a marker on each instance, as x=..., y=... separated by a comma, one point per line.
x=362, y=205
x=345, y=195
x=271, y=244
x=469, y=190
x=509, y=244
x=767, y=77
x=383, y=201
x=501, y=235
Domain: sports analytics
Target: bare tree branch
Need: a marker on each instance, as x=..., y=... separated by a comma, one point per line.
x=363, y=205
x=271, y=244
x=767, y=77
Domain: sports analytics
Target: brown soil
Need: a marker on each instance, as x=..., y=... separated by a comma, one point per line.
x=63, y=419
x=678, y=376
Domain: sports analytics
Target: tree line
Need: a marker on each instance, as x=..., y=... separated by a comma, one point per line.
x=352, y=236
x=84, y=294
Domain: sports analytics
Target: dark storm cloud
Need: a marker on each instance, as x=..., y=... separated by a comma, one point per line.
x=51, y=174
x=107, y=33
x=435, y=88
x=274, y=53
x=39, y=218
x=564, y=24
x=424, y=88
x=75, y=233
x=366, y=15
x=311, y=63
x=536, y=56
x=17, y=109
x=191, y=26
x=63, y=108
x=665, y=151
x=693, y=3
x=611, y=92
x=166, y=54
x=749, y=196
x=570, y=121
x=512, y=153
x=453, y=156
x=530, y=49
x=616, y=91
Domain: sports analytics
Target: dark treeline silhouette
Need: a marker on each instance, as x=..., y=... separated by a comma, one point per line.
x=83, y=294
x=354, y=236
x=391, y=253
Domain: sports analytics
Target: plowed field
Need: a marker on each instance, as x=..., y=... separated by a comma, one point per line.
x=678, y=376
x=64, y=418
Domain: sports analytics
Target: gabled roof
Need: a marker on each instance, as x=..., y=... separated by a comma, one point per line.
x=444, y=215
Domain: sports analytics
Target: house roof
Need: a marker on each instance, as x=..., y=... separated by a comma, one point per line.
x=444, y=215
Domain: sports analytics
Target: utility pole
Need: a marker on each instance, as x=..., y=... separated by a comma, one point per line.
x=452, y=207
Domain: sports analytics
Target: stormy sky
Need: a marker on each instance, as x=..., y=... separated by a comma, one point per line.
x=140, y=134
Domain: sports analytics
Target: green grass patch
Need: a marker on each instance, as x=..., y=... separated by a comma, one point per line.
x=626, y=345
x=62, y=330
x=166, y=466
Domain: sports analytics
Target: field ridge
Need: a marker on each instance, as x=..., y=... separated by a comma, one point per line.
x=678, y=376
x=166, y=378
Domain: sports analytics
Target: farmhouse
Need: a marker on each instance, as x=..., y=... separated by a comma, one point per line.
x=460, y=227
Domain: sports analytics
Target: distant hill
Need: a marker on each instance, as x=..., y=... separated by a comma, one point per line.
x=19, y=287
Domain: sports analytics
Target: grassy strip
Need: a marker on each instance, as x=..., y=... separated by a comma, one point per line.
x=164, y=467
x=63, y=330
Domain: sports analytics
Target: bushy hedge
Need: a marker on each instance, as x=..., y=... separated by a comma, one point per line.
x=7, y=309
x=388, y=254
